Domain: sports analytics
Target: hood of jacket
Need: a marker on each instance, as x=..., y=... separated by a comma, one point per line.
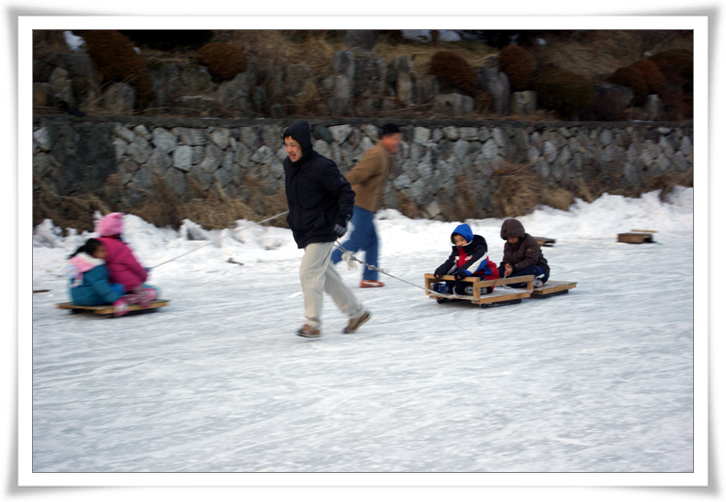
x=300, y=132
x=80, y=264
x=512, y=228
x=465, y=231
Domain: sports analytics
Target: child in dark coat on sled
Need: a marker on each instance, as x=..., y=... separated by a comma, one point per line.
x=90, y=282
x=468, y=258
x=522, y=255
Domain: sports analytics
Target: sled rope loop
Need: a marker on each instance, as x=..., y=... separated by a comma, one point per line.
x=212, y=242
x=350, y=259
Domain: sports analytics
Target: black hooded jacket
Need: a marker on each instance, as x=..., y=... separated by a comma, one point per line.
x=318, y=195
x=525, y=252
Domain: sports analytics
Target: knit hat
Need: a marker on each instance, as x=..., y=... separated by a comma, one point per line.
x=111, y=224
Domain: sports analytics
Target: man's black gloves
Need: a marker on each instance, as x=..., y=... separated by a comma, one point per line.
x=340, y=230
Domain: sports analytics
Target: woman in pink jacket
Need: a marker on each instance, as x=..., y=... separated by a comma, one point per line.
x=122, y=265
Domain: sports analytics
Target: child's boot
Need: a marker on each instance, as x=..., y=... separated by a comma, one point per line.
x=143, y=296
x=120, y=307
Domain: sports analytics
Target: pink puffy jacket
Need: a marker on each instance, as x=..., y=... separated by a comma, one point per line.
x=122, y=264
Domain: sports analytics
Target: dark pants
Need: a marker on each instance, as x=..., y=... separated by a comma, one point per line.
x=538, y=273
x=363, y=236
x=459, y=288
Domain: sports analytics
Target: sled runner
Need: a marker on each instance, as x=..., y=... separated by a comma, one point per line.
x=635, y=237
x=108, y=310
x=545, y=241
x=553, y=288
x=498, y=297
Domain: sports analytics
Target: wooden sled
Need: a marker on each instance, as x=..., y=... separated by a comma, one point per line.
x=495, y=298
x=635, y=237
x=108, y=310
x=545, y=241
x=553, y=288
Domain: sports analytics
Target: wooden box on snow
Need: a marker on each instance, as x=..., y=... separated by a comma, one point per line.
x=635, y=237
x=545, y=241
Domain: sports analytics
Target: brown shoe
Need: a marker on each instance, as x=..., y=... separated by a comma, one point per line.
x=308, y=331
x=356, y=323
x=371, y=284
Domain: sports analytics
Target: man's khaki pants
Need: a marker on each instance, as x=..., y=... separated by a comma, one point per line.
x=318, y=275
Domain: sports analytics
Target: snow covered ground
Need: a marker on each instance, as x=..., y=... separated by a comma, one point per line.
x=598, y=380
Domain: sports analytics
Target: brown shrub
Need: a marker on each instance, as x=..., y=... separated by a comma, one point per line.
x=654, y=78
x=115, y=60
x=224, y=61
x=518, y=64
x=675, y=61
x=631, y=77
x=677, y=68
x=563, y=91
x=453, y=70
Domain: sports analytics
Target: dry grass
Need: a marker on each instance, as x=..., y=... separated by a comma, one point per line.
x=47, y=42
x=602, y=52
x=65, y=211
x=212, y=210
x=557, y=198
x=666, y=182
x=210, y=213
x=273, y=48
x=421, y=53
x=519, y=190
x=161, y=207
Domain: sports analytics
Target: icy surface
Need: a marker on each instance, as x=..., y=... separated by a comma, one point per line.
x=598, y=380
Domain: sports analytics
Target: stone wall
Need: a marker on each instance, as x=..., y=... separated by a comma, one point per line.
x=124, y=160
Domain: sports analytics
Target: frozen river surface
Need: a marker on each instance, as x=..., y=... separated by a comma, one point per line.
x=598, y=380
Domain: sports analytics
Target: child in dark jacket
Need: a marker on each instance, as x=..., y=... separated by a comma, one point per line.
x=468, y=258
x=90, y=283
x=522, y=254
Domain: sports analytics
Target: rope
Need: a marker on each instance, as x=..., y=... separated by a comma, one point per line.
x=349, y=258
x=222, y=237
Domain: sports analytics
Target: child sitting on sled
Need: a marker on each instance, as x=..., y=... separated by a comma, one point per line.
x=522, y=255
x=123, y=266
x=468, y=258
x=90, y=283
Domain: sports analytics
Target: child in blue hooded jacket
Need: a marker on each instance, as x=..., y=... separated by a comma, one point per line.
x=89, y=279
x=468, y=258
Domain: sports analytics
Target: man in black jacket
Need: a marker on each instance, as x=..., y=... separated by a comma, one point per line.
x=320, y=201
